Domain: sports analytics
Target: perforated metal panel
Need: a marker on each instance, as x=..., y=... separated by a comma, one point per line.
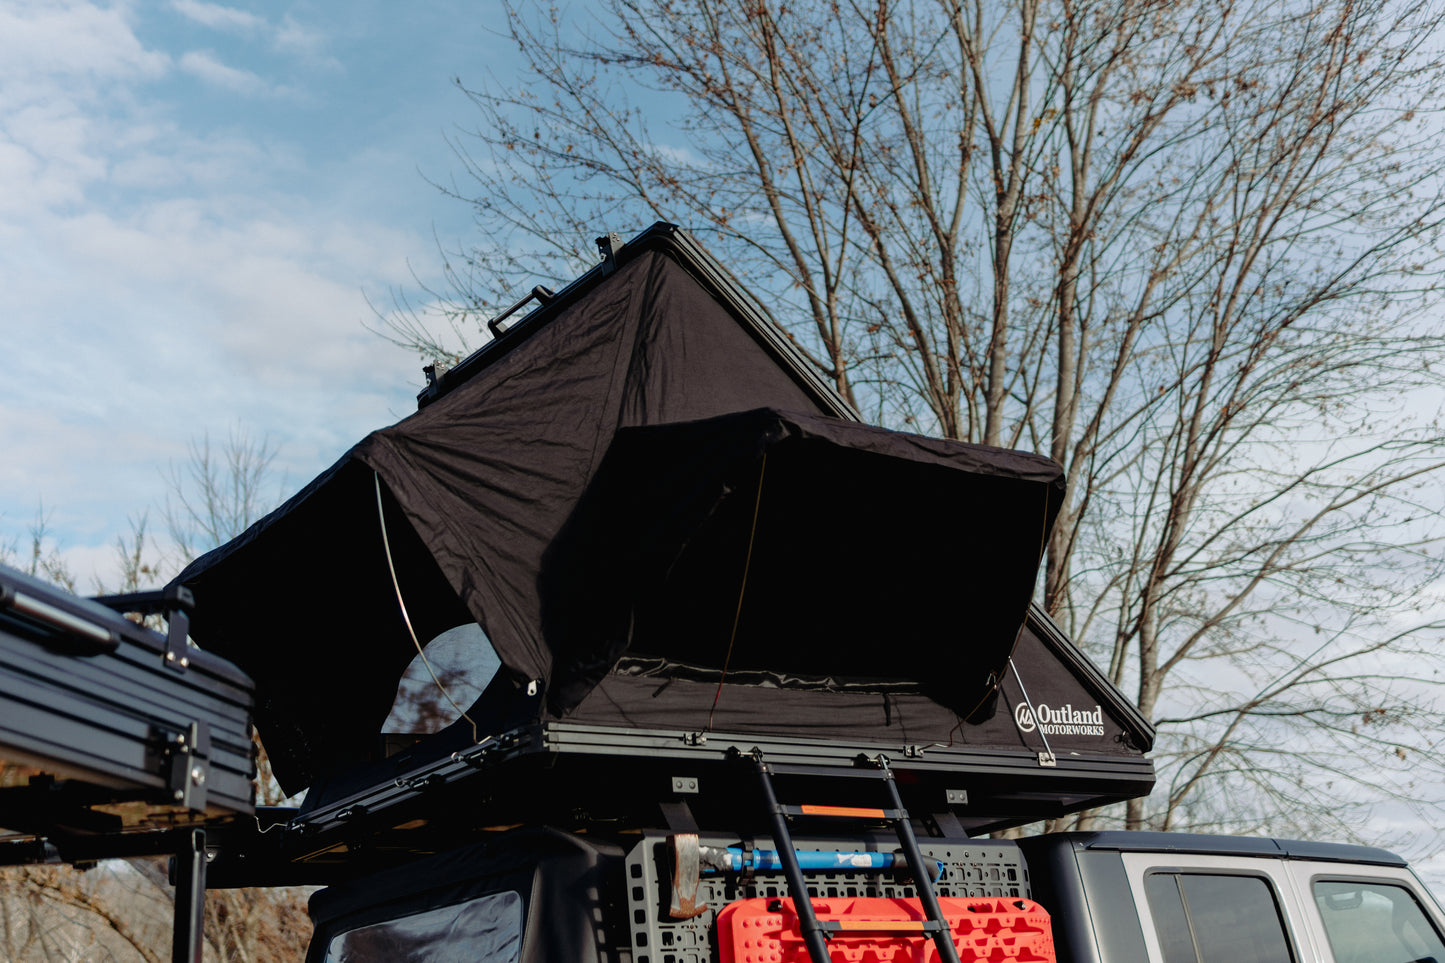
x=972, y=868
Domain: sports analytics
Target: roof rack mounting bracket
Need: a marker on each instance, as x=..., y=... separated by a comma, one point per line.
x=176, y=603
x=608, y=245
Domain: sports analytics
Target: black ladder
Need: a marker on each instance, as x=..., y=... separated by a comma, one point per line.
x=815, y=932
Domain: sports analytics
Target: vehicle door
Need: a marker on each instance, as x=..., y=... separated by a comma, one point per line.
x=1369, y=914
x=1219, y=909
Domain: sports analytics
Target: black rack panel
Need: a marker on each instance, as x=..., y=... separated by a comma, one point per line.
x=972, y=868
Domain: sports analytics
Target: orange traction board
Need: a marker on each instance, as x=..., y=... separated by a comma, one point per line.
x=873, y=930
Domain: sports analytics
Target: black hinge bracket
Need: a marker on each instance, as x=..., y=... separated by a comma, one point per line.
x=179, y=603
x=188, y=766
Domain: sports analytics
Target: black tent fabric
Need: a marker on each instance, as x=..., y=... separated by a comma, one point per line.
x=474, y=488
x=810, y=551
x=1064, y=705
x=556, y=882
x=491, y=504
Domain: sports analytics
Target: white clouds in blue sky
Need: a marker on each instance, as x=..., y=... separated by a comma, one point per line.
x=196, y=200
x=218, y=17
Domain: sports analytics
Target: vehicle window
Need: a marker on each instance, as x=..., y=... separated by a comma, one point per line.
x=1166, y=905
x=1375, y=923
x=462, y=661
x=1207, y=918
x=485, y=930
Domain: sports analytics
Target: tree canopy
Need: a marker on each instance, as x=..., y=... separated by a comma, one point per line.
x=1189, y=250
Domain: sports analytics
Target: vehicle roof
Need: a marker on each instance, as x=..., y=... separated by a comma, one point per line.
x=1207, y=845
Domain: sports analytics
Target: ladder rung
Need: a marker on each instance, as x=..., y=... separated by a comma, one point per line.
x=829, y=772
x=847, y=812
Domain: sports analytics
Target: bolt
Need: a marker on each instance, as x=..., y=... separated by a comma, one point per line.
x=198, y=776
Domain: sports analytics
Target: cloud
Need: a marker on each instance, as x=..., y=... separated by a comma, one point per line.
x=218, y=17
x=163, y=276
x=42, y=42
x=204, y=66
x=288, y=37
x=70, y=79
x=293, y=38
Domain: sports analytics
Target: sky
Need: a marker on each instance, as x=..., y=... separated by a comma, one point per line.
x=199, y=203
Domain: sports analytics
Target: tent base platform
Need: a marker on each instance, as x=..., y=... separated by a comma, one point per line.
x=614, y=780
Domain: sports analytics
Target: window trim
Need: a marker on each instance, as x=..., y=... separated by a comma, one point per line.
x=1178, y=872
x=1274, y=872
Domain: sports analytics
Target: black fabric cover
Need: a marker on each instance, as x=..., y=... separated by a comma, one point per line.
x=880, y=559
x=478, y=484
x=562, y=879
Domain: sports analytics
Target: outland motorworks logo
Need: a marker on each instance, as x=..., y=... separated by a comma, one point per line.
x=1063, y=721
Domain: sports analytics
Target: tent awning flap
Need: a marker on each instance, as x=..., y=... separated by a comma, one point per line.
x=793, y=544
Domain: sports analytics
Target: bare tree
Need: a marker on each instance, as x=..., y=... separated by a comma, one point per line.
x=1189, y=250
x=118, y=909
x=217, y=494
x=41, y=557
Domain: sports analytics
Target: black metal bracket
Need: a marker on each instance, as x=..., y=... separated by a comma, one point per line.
x=609, y=245
x=678, y=816
x=188, y=762
x=176, y=603
x=435, y=371
x=189, y=874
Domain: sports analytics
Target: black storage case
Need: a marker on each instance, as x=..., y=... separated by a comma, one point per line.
x=113, y=733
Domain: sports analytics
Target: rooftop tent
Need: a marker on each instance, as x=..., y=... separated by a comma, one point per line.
x=646, y=499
